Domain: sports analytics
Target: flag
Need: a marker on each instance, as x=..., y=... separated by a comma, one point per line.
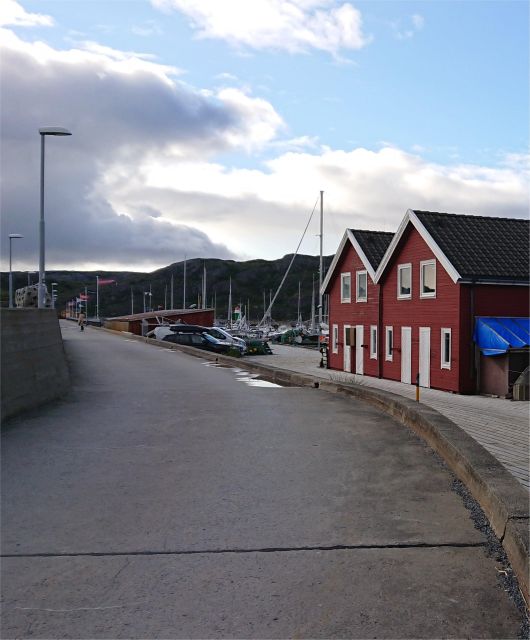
x=102, y=281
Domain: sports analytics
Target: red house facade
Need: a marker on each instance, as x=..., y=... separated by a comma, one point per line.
x=438, y=273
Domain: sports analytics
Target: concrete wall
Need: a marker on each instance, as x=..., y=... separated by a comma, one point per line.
x=33, y=362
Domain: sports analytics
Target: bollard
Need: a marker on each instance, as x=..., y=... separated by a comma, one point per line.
x=418, y=388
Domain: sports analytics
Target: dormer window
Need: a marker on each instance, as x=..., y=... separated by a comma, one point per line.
x=404, y=281
x=362, y=286
x=345, y=287
x=428, y=279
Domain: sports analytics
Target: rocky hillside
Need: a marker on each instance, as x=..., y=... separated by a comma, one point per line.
x=250, y=280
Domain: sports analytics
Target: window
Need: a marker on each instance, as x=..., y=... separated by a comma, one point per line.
x=373, y=342
x=428, y=279
x=335, y=339
x=446, y=349
x=404, y=281
x=362, y=286
x=345, y=287
x=389, y=343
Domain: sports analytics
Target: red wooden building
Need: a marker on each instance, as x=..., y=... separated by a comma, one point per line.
x=438, y=273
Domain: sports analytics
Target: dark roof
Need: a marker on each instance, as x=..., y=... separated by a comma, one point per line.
x=374, y=244
x=481, y=247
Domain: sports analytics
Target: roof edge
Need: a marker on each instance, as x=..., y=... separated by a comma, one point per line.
x=410, y=216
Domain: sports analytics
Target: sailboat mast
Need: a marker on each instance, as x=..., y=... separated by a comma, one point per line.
x=320, y=274
x=298, y=319
x=229, y=317
x=184, y=286
x=204, y=305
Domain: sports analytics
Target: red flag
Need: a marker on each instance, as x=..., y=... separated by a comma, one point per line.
x=102, y=281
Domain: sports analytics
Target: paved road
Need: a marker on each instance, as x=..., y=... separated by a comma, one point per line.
x=169, y=499
x=501, y=426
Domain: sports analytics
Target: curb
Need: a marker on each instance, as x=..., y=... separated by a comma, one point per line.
x=504, y=501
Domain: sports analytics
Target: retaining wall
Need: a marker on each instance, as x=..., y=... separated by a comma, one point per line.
x=33, y=362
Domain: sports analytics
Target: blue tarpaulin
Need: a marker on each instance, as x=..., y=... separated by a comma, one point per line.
x=494, y=336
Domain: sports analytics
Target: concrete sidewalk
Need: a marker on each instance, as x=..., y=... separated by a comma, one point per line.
x=501, y=426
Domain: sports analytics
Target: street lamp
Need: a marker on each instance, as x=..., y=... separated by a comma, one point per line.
x=12, y=236
x=54, y=293
x=44, y=131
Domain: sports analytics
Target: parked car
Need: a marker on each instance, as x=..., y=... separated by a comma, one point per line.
x=223, y=336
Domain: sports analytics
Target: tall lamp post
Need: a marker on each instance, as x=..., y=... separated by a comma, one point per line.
x=44, y=131
x=12, y=236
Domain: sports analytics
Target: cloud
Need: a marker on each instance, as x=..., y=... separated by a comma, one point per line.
x=415, y=23
x=262, y=212
x=295, y=26
x=14, y=14
x=150, y=28
x=141, y=183
x=122, y=109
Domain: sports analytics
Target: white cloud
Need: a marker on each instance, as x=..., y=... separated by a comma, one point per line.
x=122, y=109
x=141, y=183
x=14, y=14
x=295, y=26
x=150, y=28
x=262, y=212
x=261, y=122
x=414, y=24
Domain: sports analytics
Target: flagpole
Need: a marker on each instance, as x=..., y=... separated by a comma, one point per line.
x=97, y=298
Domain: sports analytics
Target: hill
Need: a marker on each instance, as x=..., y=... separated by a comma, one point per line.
x=251, y=280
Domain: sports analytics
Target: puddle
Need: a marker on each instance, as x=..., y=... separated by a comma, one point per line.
x=253, y=382
x=250, y=379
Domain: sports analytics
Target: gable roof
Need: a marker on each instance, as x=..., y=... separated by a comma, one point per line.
x=471, y=248
x=370, y=246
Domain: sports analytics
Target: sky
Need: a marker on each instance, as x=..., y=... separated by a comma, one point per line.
x=208, y=128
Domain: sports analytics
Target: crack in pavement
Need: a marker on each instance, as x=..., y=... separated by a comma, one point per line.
x=185, y=552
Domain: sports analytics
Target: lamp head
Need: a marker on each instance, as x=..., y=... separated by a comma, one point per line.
x=15, y=235
x=54, y=131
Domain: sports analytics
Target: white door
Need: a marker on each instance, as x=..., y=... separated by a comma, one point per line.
x=406, y=345
x=425, y=357
x=359, y=350
x=347, y=351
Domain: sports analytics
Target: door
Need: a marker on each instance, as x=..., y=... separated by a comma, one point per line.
x=359, y=350
x=406, y=344
x=347, y=350
x=425, y=357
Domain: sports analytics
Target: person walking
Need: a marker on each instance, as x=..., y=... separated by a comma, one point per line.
x=81, y=320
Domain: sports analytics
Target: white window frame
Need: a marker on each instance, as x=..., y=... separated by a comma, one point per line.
x=342, y=278
x=424, y=263
x=358, y=298
x=373, y=342
x=389, y=343
x=401, y=267
x=335, y=338
x=443, y=363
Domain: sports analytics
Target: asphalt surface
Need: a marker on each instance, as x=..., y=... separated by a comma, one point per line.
x=168, y=498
